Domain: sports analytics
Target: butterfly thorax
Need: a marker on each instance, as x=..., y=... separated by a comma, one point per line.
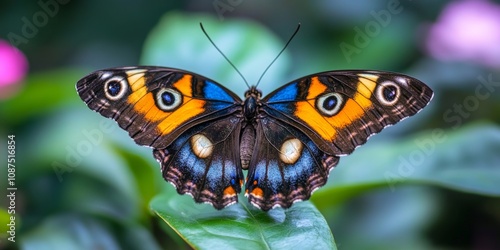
x=252, y=98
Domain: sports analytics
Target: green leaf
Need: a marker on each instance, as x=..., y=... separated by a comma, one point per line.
x=465, y=159
x=202, y=227
x=177, y=41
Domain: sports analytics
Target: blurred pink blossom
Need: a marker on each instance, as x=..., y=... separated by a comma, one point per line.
x=13, y=64
x=13, y=69
x=467, y=30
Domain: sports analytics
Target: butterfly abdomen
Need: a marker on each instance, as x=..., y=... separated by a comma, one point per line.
x=247, y=143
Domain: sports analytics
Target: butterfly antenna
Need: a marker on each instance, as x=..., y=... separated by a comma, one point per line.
x=286, y=45
x=210, y=39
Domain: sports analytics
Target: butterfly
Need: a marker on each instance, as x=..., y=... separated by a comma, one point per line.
x=204, y=136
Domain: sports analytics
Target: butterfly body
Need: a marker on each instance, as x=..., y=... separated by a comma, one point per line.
x=204, y=136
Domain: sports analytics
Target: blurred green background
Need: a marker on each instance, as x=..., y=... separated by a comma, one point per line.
x=431, y=182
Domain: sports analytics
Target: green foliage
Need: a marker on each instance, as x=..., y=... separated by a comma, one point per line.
x=83, y=184
x=437, y=157
x=46, y=92
x=177, y=41
x=73, y=231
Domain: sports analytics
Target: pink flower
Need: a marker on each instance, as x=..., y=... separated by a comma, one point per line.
x=13, y=68
x=467, y=30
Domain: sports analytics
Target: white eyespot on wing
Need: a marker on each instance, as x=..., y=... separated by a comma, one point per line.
x=115, y=88
x=329, y=104
x=201, y=146
x=291, y=150
x=168, y=99
x=388, y=93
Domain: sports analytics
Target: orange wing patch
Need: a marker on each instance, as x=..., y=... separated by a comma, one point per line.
x=306, y=110
x=315, y=89
x=353, y=109
x=257, y=192
x=229, y=191
x=144, y=103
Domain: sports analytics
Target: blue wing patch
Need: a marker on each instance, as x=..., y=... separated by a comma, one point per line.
x=214, y=92
x=286, y=94
x=283, y=99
